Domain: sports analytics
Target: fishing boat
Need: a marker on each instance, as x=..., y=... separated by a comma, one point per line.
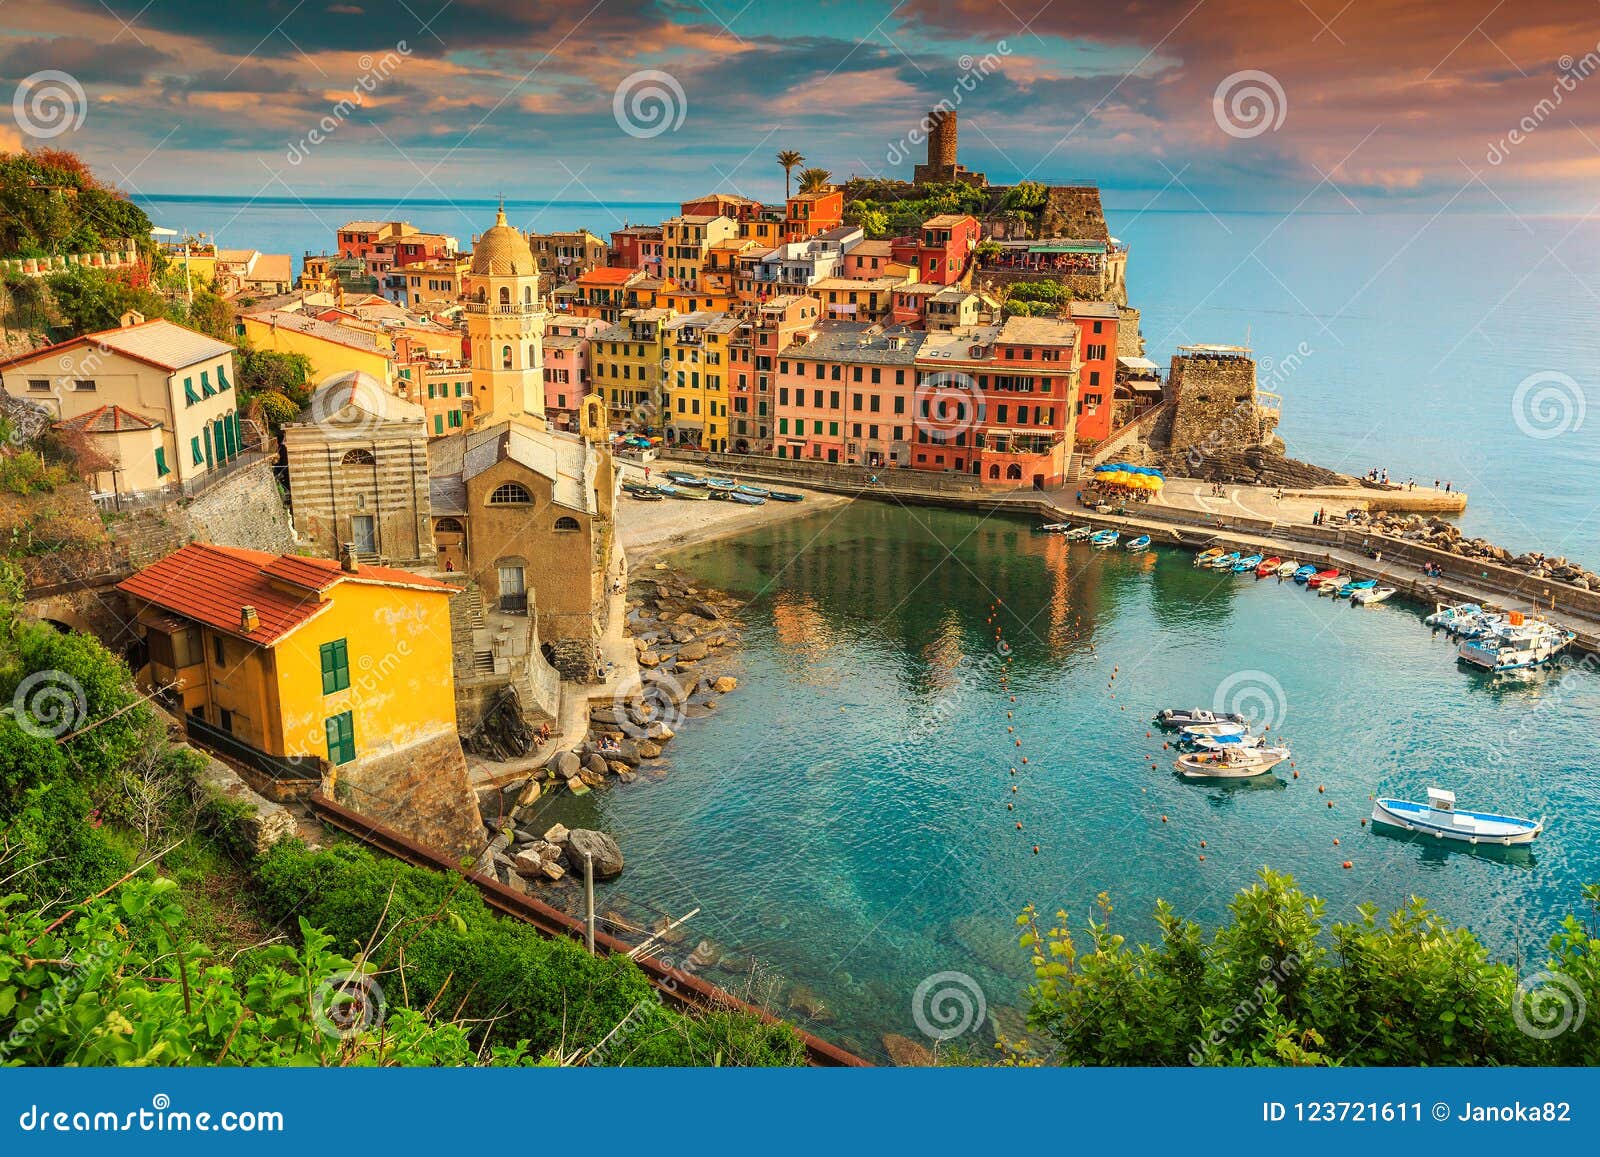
x=1208, y=556
x=1347, y=590
x=785, y=496
x=1329, y=579
x=696, y=494
x=1303, y=574
x=1170, y=717
x=1231, y=762
x=1213, y=730
x=1285, y=569
x=1268, y=566
x=648, y=495
x=722, y=484
x=1372, y=595
x=1439, y=818
x=1053, y=528
x=746, y=499
x=1104, y=538
x=1447, y=617
x=1225, y=562
x=684, y=478
x=1140, y=543
x=1519, y=643
x=753, y=491
x=1079, y=533
x=1247, y=565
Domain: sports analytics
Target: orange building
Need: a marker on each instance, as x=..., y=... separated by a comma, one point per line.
x=807, y=214
x=1097, y=345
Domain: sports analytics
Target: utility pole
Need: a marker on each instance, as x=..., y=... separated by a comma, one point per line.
x=588, y=900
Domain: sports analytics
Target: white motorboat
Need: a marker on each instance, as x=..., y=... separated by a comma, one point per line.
x=1287, y=568
x=1214, y=729
x=1231, y=762
x=1448, y=618
x=1242, y=741
x=1439, y=818
x=1372, y=595
x=1517, y=644
x=1191, y=716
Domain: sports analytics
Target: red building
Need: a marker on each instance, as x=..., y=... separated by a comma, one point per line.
x=941, y=251
x=1097, y=350
x=637, y=247
x=415, y=248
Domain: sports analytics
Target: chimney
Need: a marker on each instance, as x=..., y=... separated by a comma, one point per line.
x=347, y=558
x=248, y=619
x=130, y=319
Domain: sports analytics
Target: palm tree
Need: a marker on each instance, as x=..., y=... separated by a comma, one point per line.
x=790, y=160
x=814, y=180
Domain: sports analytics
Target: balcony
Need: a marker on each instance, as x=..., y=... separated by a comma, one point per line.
x=515, y=309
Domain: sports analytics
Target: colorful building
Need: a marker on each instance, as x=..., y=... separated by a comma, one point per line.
x=331, y=348
x=565, y=255
x=753, y=363
x=637, y=247
x=687, y=239
x=695, y=369
x=1097, y=323
x=807, y=214
x=845, y=393
x=567, y=373
x=941, y=251
x=626, y=362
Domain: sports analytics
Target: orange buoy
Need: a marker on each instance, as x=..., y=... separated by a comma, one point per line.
x=1363, y=823
x=1013, y=788
x=1202, y=857
x=1024, y=758
x=1008, y=715
x=1336, y=841
x=1011, y=807
x=1202, y=843
x=1320, y=789
x=1019, y=744
x=1013, y=729
x=1348, y=864
x=1019, y=825
x=1163, y=819
x=1330, y=803
x=1036, y=849
x=1297, y=775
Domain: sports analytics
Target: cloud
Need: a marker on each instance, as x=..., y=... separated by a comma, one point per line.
x=90, y=61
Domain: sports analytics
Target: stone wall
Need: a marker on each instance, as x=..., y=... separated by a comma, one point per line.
x=1215, y=410
x=381, y=474
x=1130, y=340
x=245, y=509
x=422, y=791
x=1074, y=211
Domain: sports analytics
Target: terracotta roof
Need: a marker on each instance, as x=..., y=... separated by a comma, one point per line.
x=607, y=275
x=108, y=420
x=211, y=584
x=159, y=343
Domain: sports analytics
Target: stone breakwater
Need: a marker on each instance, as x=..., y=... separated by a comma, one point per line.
x=1441, y=535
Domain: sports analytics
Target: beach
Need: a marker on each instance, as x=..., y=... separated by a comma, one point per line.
x=648, y=530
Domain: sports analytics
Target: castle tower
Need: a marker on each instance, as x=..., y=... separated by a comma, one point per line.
x=942, y=140
x=505, y=321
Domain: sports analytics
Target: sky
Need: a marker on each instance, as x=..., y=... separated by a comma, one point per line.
x=1326, y=105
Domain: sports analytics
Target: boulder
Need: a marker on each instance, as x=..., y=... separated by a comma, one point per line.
x=809, y=1005
x=617, y=767
x=564, y=764
x=648, y=750
x=529, y=794
x=592, y=778
x=706, y=611
x=556, y=834
x=595, y=762
x=554, y=871
x=906, y=1053
x=528, y=864
x=723, y=684
x=692, y=652
x=649, y=659
x=606, y=713
x=598, y=847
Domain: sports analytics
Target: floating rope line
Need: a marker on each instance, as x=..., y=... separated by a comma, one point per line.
x=1003, y=679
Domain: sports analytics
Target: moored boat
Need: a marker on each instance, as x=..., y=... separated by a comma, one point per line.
x=1213, y=730
x=1247, y=565
x=1079, y=533
x=785, y=496
x=1447, y=617
x=1224, y=562
x=1346, y=590
x=1140, y=543
x=1322, y=576
x=1208, y=556
x=1231, y=762
x=746, y=499
x=1053, y=528
x=1303, y=574
x=1268, y=566
x=1285, y=569
x=1516, y=644
x=1104, y=538
x=1372, y=595
x=1244, y=740
x=1439, y=818
x=1193, y=716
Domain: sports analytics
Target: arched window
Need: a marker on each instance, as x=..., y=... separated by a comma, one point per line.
x=533, y=356
x=505, y=357
x=527, y=295
x=1014, y=472
x=483, y=295
x=994, y=470
x=566, y=523
x=515, y=494
x=358, y=458
x=505, y=295
x=448, y=526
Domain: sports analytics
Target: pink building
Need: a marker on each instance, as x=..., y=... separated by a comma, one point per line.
x=844, y=394
x=753, y=368
x=566, y=367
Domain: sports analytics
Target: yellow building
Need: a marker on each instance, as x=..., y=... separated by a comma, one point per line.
x=685, y=242
x=283, y=661
x=157, y=399
x=695, y=367
x=332, y=349
x=428, y=285
x=626, y=362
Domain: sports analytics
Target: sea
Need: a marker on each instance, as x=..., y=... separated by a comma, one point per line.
x=844, y=826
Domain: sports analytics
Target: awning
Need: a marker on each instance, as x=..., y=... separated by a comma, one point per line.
x=1143, y=386
x=1079, y=247
x=1137, y=364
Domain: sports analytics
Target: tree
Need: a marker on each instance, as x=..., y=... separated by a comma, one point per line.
x=789, y=160
x=89, y=300
x=815, y=180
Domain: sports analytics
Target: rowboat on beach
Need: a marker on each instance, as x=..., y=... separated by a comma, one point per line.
x=746, y=499
x=1440, y=819
x=693, y=493
x=785, y=496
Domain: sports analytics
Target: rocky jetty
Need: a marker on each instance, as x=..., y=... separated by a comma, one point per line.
x=1441, y=535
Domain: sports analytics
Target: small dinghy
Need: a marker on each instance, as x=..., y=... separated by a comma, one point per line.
x=1079, y=533
x=684, y=478
x=1207, y=557
x=1372, y=595
x=1225, y=562
x=1268, y=566
x=1053, y=528
x=1247, y=565
x=1347, y=590
x=1140, y=543
x=753, y=491
x=722, y=483
x=785, y=496
x=1213, y=730
x=746, y=499
x=1439, y=818
x=1193, y=716
x=1104, y=538
x=696, y=494
x=1285, y=569
x=1231, y=762
x=1303, y=574
x=648, y=495
x=1321, y=577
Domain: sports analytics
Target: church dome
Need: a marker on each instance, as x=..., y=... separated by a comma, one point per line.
x=503, y=252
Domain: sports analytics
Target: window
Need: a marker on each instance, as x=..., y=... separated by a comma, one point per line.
x=510, y=494
x=225, y=718
x=39, y=384
x=505, y=355
x=567, y=524
x=161, y=462
x=358, y=458
x=219, y=656
x=189, y=396
x=194, y=448
x=205, y=384
x=341, y=738
x=335, y=666
x=84, y=385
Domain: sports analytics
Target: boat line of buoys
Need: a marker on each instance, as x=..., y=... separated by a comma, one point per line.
x=1004, y=682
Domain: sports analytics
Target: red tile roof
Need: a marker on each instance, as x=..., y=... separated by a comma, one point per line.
x=108, y=420
x=607, y=275
x=211, y=584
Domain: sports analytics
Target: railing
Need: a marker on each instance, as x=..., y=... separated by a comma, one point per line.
x=1266, y=400
x=514, y=309
x=144, y=499
x=514, y=604
x=226, y=743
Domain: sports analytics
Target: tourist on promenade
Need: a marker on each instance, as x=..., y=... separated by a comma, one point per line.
x=1447, y=488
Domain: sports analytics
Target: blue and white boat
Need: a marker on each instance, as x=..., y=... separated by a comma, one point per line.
x=1247, y=565
x=746, y=499
x=1439, y=818
x=1170, y=717
x=753, y=491
x=1226, y=562
x=684, y=478
x=1305, y=572
x=1079, y=533
x=1244, y=741
x=1104, y=538
x=1516, y=644
x=1349, y=589
x=1140, y=543
x=722, y=483
x=1450, y=618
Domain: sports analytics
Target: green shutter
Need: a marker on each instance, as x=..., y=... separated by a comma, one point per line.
x=222, y=378
x=438, y=423
x=341, y=736
x=335, y=666
x=189, y=396
x=194, y=446
x=161, y=462
x=205, y=384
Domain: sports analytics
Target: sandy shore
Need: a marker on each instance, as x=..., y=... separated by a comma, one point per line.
x=648, y=530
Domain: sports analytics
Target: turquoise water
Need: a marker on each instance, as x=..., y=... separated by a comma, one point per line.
x=843, y=816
